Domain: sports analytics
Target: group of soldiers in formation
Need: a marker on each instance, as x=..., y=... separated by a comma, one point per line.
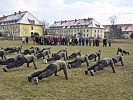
x=67, y=40
x=69, y=62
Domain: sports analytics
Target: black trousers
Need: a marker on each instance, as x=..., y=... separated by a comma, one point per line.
x=6, y=62
x=17, y=63
x=92, y=56
x=48, y=71
x=39, y=55
x=74, y=55
x=98, y=66
x=76, y=63
x=55, y=57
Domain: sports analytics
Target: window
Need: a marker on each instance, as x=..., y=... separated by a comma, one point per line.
x=31, y=27
x=71, y=30
x=31, y=21
x=87, y=30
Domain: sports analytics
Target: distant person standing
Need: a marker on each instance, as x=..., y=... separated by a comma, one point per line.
x=23, y=39
x=97, y=42
x=104, y=42
x=109, y=42
x=93, y=40
x=34, y=39
x=26, y=40
x=89, y=41
x=39, y=41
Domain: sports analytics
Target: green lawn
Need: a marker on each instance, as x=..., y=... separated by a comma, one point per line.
x=105, y=85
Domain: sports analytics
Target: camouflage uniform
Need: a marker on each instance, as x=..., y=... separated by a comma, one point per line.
x=50, y=69
x=77, y=62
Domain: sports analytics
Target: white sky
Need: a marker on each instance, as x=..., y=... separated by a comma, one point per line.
x=54, y=10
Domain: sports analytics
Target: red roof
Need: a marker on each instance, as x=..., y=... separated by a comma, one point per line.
x=125, y=27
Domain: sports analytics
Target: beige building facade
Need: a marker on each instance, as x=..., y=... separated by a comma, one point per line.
x=87, y=27
x=20, y=24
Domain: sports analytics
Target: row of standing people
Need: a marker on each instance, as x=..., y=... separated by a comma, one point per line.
x=58, y=40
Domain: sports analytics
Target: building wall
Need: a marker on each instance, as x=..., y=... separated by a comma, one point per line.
x=21, y=29
x=26, y=29
x=97, y=32
x=12, y=29
x=87, y=32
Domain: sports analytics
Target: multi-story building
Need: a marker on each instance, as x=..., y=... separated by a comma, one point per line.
x=87, y=27
x=127, y=29
x=20, y=24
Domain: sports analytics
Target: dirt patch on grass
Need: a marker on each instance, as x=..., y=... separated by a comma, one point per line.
x=122, y=42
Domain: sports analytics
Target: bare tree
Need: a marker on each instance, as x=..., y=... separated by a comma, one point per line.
x=45, y=26
x=113, y=20
x=115, y=30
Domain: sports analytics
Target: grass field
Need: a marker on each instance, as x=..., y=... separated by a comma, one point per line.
x=105, y=85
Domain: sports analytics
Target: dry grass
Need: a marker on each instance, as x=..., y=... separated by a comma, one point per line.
x=105, y=85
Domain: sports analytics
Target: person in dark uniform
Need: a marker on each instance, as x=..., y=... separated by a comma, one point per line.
x=74, y=55
x=117, y=59
x=94, y=55
x=104, y=42
x=3, y=53
x=63, y=50
x=100, y=65
x=43, y=54
x=48, y=71
x=56, y=56
x=18, y=61
x=77, y=62
x=122, y=51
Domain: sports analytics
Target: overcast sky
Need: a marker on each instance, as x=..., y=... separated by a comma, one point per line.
x=54, y=10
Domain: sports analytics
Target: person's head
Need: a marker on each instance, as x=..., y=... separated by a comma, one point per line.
x=119, y=48
x=99, y=50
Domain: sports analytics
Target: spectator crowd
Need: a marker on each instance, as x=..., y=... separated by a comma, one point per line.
x=69, y=40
